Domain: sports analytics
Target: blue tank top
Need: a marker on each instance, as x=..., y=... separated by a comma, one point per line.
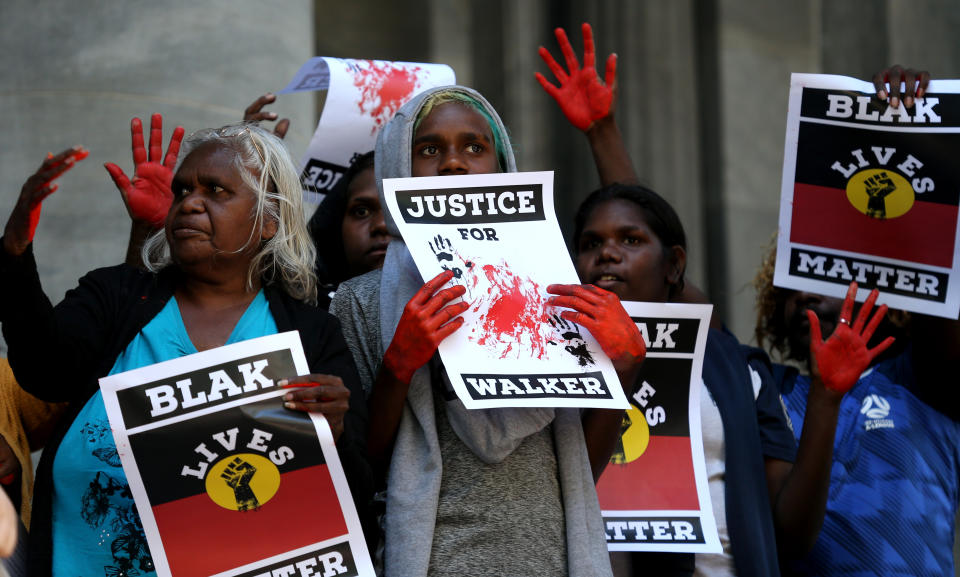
x=96, y=528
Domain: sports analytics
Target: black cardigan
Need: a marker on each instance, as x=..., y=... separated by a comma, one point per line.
x=59, y=354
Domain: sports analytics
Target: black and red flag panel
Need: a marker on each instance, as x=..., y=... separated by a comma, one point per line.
x=223, y=487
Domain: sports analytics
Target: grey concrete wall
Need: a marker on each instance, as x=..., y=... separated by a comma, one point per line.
x=761, y=43
x=77, y=72
x=703, y=119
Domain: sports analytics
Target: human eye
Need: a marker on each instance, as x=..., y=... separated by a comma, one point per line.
x=360, y=211
x=589, y=243
x=179, y=189
x=429, y=150
x=475, y=147
x=218, y=191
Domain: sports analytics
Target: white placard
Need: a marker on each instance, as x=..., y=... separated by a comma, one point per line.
x=362, y=96
x=499, y=235
x=654, y=493
x=226, y=480
x=870, y=194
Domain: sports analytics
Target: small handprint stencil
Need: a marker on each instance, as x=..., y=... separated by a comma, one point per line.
x=576, y=346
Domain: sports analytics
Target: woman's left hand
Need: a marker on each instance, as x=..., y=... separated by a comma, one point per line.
x=583, y=97
x=325, y=394
x=844, y=356
x=600, y=312
x=148, y=196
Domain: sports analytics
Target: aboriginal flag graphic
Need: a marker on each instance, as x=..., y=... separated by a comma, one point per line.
x=652, y=467
x=237, y=486
x=895, y=197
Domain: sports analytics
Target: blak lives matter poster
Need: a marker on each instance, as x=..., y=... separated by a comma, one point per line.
x=654, y=493
x=362, y=95
x=226, y=480
x=870, y=194
x=499, y=235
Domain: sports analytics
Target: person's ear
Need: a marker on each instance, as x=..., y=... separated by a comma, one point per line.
x=677, y=265
x=269, y=230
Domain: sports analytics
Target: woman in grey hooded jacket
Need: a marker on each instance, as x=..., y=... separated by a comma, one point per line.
x=479, y=492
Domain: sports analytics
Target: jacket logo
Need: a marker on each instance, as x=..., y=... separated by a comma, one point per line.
x=876, y=409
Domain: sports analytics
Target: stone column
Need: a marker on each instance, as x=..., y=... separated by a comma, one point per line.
x=76, y=73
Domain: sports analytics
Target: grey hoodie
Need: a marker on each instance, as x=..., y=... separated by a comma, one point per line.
x=416, y=466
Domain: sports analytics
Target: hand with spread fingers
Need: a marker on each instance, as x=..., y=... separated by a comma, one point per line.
x=255, y=113
x=325, y=394
x=23, y=221
x=582, y=96
x=600, y=312
x=887, y=82
x=841, y=359
x=426, y=321
x=148, y=196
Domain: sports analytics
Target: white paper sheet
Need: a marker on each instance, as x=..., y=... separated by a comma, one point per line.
x=499, y=234
x=362, y=96
x=226, y=480
x=870, y=194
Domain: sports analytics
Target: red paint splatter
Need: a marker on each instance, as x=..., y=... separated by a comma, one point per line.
x=514, y=321
x=384, y=88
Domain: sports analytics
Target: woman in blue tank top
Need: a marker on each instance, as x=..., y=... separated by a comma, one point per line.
x=232, y=261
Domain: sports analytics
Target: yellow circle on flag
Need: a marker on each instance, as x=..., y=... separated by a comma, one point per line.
x=880, y=193
x=634, y=438
x=243, y=482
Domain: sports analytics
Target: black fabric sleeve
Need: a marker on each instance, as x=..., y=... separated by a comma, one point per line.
x=55, y=352
x=777, y=440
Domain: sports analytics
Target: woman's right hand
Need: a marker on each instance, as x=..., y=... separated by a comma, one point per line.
x=425, y=322
x=23, y=221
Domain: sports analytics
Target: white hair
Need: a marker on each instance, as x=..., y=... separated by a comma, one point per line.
x=288, y=257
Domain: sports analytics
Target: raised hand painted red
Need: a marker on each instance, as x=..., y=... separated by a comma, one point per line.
x=582, y=96
x=600, y=312
x=148, y=196
x=425, y=322
x=844, y=356
x=22, y=224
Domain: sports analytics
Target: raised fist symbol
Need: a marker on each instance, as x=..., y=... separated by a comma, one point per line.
x=878, y=187
x=237, y=475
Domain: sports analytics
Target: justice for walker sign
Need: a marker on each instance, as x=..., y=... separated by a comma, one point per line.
x=870, y=194
x=499, y=236
x=226, y=480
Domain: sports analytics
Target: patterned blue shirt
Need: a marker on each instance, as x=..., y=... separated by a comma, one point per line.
x=96, y=528
x=894, y=482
